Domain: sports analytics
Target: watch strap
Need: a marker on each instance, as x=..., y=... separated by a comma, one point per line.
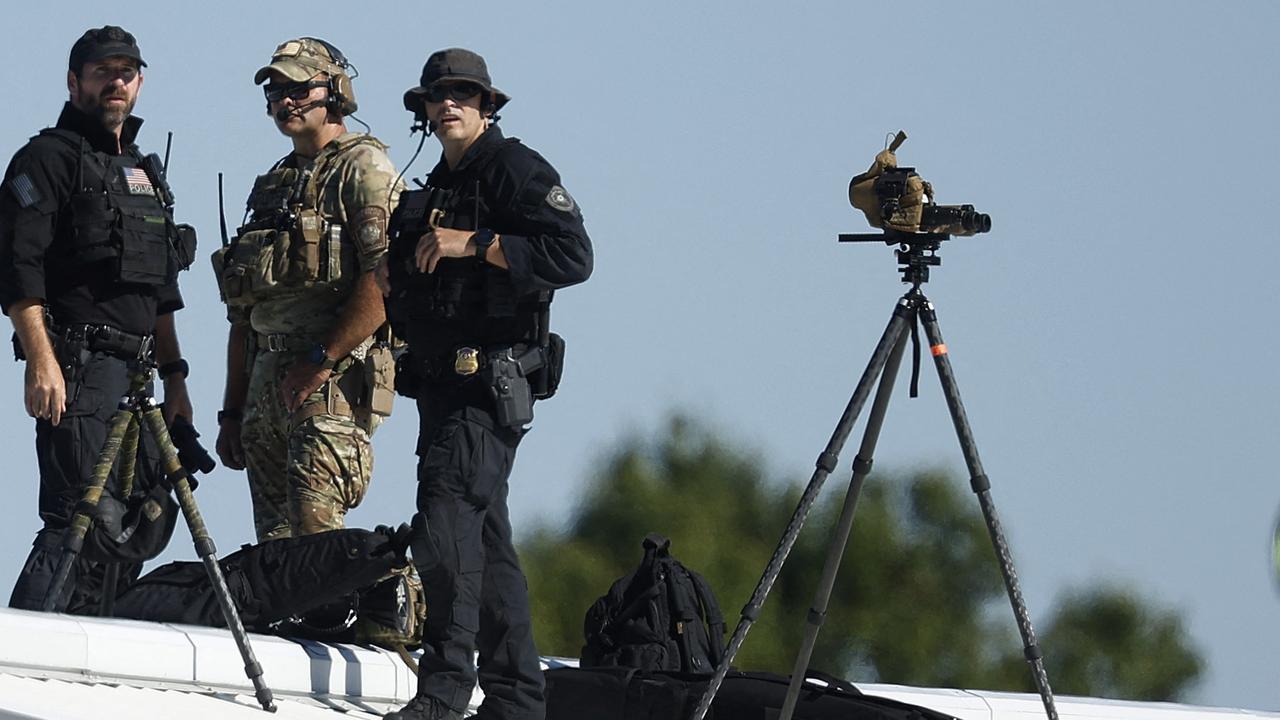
x=483, y=238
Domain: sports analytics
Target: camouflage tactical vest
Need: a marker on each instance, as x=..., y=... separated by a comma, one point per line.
x=288, y=243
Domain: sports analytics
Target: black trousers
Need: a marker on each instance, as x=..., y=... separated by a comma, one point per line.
x=475, y=590
x=67, y=454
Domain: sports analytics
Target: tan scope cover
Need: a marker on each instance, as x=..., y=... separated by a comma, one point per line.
x=862, y=195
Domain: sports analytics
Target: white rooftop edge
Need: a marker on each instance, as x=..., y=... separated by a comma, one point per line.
x=64, y=666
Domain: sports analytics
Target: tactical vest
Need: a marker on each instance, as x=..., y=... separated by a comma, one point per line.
x=288, y=243
x=467, y=291
x=120, y=220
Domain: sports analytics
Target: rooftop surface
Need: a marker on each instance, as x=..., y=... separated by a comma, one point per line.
x=72, y=667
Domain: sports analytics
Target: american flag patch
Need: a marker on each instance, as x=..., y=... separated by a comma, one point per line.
x=25, y=190
x=137, y=181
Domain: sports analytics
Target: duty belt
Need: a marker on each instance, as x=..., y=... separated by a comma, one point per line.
x=466, y=361
x=110, y=340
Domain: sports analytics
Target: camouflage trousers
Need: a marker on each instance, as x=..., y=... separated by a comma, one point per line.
x=305, y=469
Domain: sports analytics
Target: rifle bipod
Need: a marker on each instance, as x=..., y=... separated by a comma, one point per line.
x=136, y=410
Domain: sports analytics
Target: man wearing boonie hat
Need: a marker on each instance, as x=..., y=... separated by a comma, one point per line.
x=474, y=259
x=309, y=369
x=89, y=261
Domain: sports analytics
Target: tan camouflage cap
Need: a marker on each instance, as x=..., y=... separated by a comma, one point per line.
x=302, y=59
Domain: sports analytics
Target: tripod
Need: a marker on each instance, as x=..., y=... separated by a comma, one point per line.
x=136, y=410
x=916, y=254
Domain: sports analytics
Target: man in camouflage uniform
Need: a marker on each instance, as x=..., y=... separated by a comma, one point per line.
x=308, y=378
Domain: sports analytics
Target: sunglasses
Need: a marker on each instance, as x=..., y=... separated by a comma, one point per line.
x=454, y=91
x=108, y=73
x=293, y=91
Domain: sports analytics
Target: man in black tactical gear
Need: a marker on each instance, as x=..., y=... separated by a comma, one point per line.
x=474, y=258
x=89, y=256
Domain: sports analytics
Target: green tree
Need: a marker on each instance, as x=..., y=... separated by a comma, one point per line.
x=1106, y=642
x=918, y=600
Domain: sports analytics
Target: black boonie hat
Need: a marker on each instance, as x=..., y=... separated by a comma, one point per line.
x=453, y=65
x=101, y=43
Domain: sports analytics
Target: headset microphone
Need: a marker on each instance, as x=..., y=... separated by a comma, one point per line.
x=284, y=113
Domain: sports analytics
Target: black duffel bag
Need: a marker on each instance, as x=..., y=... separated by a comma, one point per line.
x=614, y=693
x=269, y=582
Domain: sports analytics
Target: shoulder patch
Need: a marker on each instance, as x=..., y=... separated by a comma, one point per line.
x=25, y=190
x=560, y=199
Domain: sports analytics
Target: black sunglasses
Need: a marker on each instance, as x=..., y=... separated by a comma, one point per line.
x=295, y=91
x=455, y=91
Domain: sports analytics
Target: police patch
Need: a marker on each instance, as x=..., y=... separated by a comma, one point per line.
x=559, y=199
x=371, y=235
x=25, y=190
x=137, y=181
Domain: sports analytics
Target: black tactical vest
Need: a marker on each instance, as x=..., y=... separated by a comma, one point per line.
x=119, y=221
x=462, y=292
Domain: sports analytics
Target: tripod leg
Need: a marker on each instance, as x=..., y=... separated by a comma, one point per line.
x=129, y=457
x=893, y=334
x=73, y=538
x=861, y=468
x=208, y=553
x=982, y=488
x=128, y=466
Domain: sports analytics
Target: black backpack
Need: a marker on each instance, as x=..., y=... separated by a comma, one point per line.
x=662, y=616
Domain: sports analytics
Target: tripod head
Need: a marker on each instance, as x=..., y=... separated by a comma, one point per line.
x=916, y=252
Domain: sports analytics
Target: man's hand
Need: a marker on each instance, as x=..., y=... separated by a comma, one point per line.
x=46, y=391
x=442, y=243
x=302, y=379
x=176, y=400
x=230, y=449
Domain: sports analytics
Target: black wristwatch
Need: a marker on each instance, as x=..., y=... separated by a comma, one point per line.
x=483, y=238
x=319, y=355
x=230, y=414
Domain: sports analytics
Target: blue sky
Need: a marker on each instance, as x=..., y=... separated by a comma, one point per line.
x=1110, y=335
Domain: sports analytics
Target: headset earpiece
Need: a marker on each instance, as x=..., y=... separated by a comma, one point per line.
x=342, y=96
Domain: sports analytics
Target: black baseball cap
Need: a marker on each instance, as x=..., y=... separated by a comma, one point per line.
x=453, y=65
x=101, y=43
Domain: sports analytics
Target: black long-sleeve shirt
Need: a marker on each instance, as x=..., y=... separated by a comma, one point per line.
x=502, y=185
x=36, y=234
x=520, y=198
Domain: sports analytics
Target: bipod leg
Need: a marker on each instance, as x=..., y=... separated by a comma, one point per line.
x=73, y=538
x=981, y=486
x=861, y=468
x=903, y=315
x=208, y=552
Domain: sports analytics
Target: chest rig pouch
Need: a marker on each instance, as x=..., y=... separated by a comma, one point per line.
x=413, y=292
x=286, y=244
x=120, y=221
x=461, y=288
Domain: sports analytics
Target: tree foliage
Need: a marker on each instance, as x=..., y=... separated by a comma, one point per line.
x=918, y=599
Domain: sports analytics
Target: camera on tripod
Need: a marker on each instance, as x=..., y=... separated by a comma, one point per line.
x=898, y=199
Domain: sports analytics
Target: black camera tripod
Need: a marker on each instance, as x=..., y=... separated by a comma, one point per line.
x=138, y=409
x=916, y=254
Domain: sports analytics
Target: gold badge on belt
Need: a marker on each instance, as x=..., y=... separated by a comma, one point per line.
x=467, y=361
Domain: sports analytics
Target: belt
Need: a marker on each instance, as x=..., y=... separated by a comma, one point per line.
x=467, y=361
x=284, y=342
x=110, y=340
